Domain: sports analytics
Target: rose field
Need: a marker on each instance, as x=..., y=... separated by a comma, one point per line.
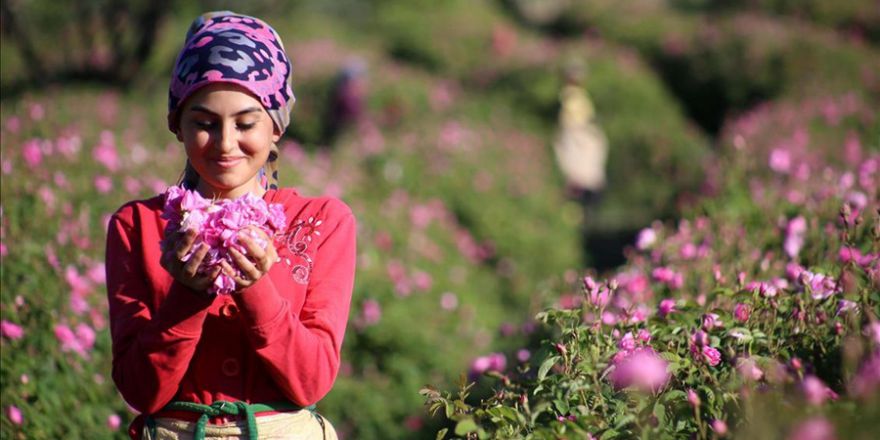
x=725, y=283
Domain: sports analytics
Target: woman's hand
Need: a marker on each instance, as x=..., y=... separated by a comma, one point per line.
x=186, y=272
x=253, y=265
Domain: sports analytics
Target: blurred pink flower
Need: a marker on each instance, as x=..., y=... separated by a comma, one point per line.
x=793, y=271
x=749, y=369
x=113, y=421
x=666, y=307
x=36, y=111
x=105, y=152
x=700, y=349
x=688, y=251
x=68, y=145
x=711, y=321
x=817, y=428
x=780, y=160
x=422, y=280
x=14, y=415
x=627, y=342
x=132, y=186
x=848, y=254
x=872, y=331
x=103, y=184
x=764, y=289
x=673, y=279
x=866, y=381
x=794, y=236
x=693, y=398
x=158, y=186
x=815, y=391
x=642, y=369
x=11, y=331
x=448, y=301
x=523, y=355
x=820, y=286
x=598, y=294
x=493, y=362
x=846, y=305
x=77, y=283
x=371, y=312
x=32, y=153
x=80, y=342
x=646, y=238
x=86, y=336
x=719, y=427
x=13, y=124
x=741, y=312
x=97, y=273
x=711, y=355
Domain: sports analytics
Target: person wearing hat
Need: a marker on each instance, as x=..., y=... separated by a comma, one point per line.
x=251, y=364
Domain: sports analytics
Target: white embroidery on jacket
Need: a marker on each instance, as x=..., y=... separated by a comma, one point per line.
x=298, y=239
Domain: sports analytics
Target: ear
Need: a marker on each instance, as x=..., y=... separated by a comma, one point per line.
x=276, y=134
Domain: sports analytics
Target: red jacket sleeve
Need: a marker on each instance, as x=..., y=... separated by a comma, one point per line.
x=152, y=346
x=302, y=350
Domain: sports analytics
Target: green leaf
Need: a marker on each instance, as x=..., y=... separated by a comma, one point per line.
x=709, y=393
x=465, y=426
x=546, y=366
x=509, y=413
x=609, y=434
x=660, y=414
x=441, y=434
x=561, y=406
x=674, y=394
x=625, y=420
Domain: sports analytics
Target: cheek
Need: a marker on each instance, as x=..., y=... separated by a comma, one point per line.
x=195, y=141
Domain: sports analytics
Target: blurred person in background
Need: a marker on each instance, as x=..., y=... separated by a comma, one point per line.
x=251, y=364
x=581, y=148
x=347, y=100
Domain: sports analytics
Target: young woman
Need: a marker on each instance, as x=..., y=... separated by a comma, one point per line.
x=250, y=364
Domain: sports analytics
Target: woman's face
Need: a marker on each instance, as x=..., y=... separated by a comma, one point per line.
x=227, y=135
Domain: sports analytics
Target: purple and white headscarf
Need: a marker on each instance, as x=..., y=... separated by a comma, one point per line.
x=238, y=49
x=232, y=48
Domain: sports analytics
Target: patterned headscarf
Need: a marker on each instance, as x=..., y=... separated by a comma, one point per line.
x=232, y=48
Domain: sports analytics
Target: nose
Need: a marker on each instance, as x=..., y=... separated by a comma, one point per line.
x=228, y=138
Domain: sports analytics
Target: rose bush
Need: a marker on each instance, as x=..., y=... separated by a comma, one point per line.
x=773, y=298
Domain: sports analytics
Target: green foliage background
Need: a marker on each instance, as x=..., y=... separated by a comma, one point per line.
x=664, y=76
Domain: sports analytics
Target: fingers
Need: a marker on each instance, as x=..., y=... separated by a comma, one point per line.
x=251, y=247
x=246, y=266
x=185, y=243
x=204, y=282
x=191, y=268
x=262, y=258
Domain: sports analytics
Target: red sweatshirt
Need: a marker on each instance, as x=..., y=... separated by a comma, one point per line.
x=279, y=339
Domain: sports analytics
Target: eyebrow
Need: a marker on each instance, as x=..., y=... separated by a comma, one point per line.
x=199, y=108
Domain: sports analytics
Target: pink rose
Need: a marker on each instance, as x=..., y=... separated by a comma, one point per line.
x=11, y=331
x=741, y=312
x=14, y=415
x=817, y=428
x=642, y=369
x=666, y=307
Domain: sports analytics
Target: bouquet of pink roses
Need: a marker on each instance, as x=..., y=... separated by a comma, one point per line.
x=218, y=223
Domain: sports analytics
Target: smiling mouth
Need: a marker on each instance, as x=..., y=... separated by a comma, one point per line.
x=228, y=162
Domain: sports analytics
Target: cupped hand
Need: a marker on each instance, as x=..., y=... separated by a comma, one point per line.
x=254, y=263
x=187, y=272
